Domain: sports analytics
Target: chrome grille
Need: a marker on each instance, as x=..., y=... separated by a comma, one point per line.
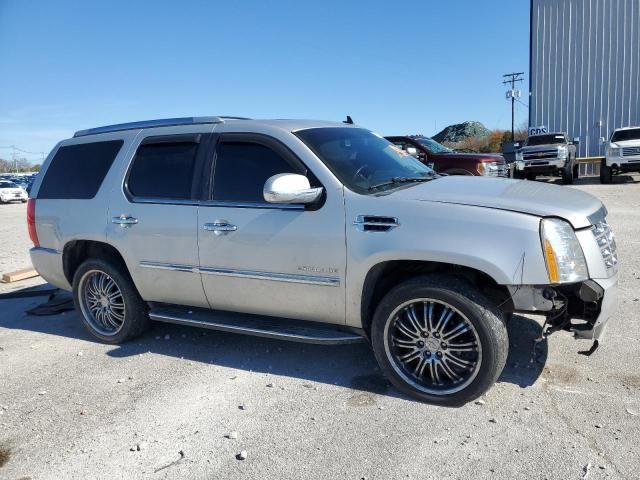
x=541, y=154
x=630, y=151
x=607, y=243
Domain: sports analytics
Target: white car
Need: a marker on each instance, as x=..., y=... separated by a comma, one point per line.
x=623, y=153
x=10, y=192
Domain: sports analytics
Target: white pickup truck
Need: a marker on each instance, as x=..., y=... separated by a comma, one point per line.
x=623, y=153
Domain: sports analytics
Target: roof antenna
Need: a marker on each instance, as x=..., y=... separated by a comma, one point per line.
x=348, y=121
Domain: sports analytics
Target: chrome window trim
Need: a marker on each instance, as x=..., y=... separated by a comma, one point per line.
x=265, y=205
x=253, y=274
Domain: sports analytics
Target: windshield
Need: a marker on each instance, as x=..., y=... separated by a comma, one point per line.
x=433, y=146
x=361, y=159
x=551, y=139
x=8, y=185
x=622, y=135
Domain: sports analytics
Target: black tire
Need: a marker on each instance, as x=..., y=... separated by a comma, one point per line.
x=518, y=174
x=606, y=175
x=134, y=311
x=576, y=171
x=567, y=174
x=530, y=176
x=470, y=306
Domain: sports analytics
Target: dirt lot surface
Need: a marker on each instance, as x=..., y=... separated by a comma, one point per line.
x=182, y=402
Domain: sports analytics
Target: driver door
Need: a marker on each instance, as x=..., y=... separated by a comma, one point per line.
x=273, y=259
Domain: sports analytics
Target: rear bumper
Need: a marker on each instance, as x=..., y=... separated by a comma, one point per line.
x=48, y=263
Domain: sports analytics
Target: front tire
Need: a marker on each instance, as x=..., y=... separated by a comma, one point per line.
x=108, y=302
x=439, y=340
x=530, y=176
x=567, y=174
x=606, y=175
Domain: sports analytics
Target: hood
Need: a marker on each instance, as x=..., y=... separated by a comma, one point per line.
x=533, y=198
x=625, y=143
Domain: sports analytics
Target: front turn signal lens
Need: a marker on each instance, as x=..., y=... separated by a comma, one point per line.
x=552, y=262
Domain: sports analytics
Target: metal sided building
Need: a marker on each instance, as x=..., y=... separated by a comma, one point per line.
x=584, y=71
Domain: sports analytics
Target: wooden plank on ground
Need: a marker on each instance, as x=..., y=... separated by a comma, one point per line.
x=18, y=275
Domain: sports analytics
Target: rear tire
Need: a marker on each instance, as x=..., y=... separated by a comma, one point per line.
x=576, y=171
x=606, y=175
x=518, y=174
x=439, y=340
x=108, y=302
x=530, y=176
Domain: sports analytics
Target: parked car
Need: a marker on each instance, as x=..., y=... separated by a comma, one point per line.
x=548, y=154
x=445, y=160
x=10, y=192
x=622, y=155
x=316, y=232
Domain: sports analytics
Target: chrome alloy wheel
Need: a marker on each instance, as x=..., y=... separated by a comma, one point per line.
x=101, y=302
x=432, y=346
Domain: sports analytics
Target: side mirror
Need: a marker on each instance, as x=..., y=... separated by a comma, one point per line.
x=576, y=140
x=290, y=188
x=603, y=140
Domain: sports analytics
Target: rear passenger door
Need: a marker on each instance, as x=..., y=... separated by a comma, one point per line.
x=153, y=217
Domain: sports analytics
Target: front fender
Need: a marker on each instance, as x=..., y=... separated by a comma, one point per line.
x=501, y=244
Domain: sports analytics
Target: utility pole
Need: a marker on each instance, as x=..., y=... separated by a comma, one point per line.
x=513, y=93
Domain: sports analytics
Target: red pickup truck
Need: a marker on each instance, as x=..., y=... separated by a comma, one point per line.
x=445, y=160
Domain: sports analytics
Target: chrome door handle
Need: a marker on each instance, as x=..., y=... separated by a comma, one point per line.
x=124, y=221
x=220, y=227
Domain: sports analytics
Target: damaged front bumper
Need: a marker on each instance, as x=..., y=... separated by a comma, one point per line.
x=583, y=308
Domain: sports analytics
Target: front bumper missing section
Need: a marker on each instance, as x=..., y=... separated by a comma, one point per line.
x=583, y=308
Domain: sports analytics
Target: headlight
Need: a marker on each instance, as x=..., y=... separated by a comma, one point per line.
x=562, y=152
x=614, y=152
x=487, y=168
x=562, y=252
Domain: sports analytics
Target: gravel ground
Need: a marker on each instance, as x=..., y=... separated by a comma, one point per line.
x=165, y=405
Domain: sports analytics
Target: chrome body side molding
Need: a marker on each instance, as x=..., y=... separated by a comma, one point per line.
x=228, y=272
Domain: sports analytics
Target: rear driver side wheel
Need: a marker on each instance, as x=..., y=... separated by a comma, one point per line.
x=439, y=340
x=109, y=304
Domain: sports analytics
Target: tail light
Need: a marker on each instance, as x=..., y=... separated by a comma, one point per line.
x=31, y=221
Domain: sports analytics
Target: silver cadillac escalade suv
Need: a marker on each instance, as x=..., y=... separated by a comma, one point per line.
x=316, y=232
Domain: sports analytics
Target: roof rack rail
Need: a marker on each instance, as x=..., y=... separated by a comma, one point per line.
x=163, y=122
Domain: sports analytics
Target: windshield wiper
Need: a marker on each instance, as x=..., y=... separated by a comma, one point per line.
x=400, y=180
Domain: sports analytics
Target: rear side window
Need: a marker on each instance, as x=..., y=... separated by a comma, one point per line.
x=163, y=171
x=77, y=171
x=242, y=168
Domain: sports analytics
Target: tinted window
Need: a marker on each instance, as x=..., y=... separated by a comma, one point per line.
x=77, y=171
x=623, y=135
x=8, y=185
x=550, y=139
x=163, y=170
x=242, y=169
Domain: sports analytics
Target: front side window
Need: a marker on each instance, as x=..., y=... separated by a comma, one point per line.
x=624, y=135
x=163, y=171
x=362, y=160
x=242, y=168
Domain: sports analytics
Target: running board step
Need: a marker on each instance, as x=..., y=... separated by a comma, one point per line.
x=258, y=325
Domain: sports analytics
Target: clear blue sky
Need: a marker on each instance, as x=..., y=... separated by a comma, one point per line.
x=395, y=66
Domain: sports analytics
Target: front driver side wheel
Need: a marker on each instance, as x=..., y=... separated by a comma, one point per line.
x=439, y=340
